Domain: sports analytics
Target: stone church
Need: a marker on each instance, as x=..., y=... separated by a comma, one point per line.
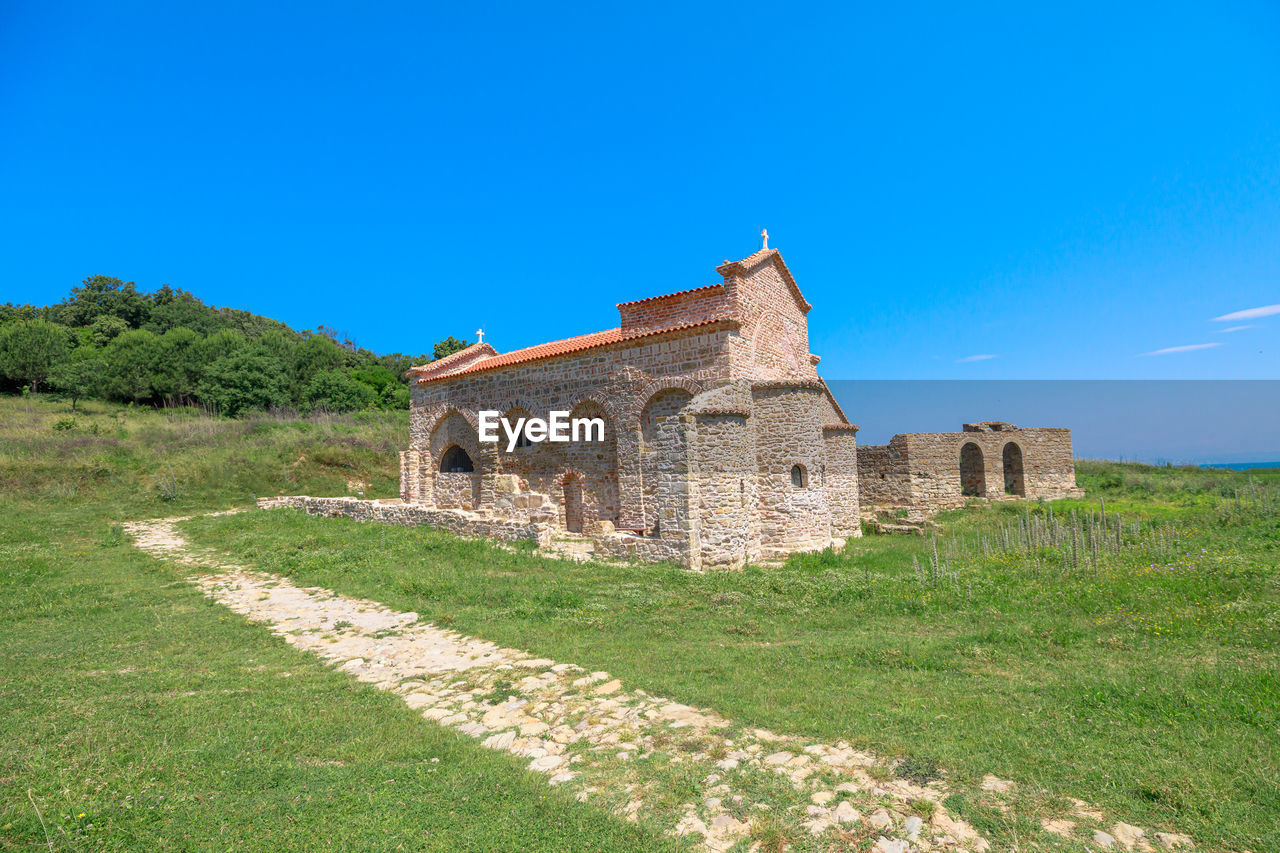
x=721, y=443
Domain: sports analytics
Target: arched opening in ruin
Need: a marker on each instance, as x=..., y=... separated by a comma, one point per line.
x=573, y=503
x=973, y=476
x=1014, y=480
x=456, y=461
x=799, y=477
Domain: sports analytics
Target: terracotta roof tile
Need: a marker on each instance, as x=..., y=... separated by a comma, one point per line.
x=718, y=284
x=561, y=347
x=441, y=365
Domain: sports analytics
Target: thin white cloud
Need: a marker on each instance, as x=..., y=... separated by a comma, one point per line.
x=969, y=358
x=1238, y=328
x=1248, y=314
x=1187, y=348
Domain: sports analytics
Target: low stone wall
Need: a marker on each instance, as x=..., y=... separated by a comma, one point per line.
x=648, y=549
x=413, y=515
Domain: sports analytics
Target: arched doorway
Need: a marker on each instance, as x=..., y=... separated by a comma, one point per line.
x=573, y=503
x=973, y=477
x=456, y=461
x=1014, y=480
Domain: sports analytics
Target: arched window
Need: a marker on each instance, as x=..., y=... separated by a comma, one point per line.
x=456, y=461
x=973, y=477
x=799, y=477
x=1014, y=479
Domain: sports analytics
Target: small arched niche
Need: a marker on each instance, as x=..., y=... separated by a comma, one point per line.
x=455, y=460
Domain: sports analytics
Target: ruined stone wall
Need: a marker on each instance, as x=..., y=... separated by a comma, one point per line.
x=926, y=472
x=677, y=309
x=457, y=491
x=410, y=475
x=883, y=477
x=412, y=515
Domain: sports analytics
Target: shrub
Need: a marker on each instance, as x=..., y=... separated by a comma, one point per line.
x=337, y=391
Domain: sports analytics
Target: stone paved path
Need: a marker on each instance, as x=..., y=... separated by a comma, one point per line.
x=625, y=749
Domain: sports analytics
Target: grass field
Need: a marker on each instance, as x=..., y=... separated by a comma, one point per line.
x=1146, y=684
x=137, y=715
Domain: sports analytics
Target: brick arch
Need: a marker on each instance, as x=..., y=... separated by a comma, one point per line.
x=566, y=474
x=611, y=405
x=636, y=405
x=437, y=415
x=536, y=409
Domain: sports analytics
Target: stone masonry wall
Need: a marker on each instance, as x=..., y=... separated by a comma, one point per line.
x=883, y=479
x=677, y=309
x=922, y=471
x=619, y=379
x=413, y=515
x=788, y=424
x=774, y=342
x=840, y=480
x=724, y=474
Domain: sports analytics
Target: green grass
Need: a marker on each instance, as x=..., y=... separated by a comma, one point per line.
x=1148, y=687
x=135, y=714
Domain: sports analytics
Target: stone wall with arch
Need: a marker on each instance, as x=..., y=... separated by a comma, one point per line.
x=925, y=472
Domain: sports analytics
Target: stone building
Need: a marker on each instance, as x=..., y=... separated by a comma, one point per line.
x=721, y=443
x=924, y=472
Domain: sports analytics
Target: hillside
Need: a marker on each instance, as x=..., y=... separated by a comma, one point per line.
x=109, y=341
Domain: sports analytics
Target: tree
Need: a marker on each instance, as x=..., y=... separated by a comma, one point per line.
x=237, y=383
x=314, y=355
x=221, y=344
x=80, y=375
x=448, y=346
x=106, y=329
x=30, y=349
x=132, y=361
x=175, y=309
x=100, y=295
x=336, y=391
x=178, y=366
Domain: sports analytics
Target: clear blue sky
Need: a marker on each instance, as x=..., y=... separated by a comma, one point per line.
x=1063, y=189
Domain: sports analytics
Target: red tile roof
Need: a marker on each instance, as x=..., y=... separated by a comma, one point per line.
x=670, y=295
x=443, y=365
x=557, y=348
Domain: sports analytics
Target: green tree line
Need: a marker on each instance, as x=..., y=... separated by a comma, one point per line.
x=109, y=341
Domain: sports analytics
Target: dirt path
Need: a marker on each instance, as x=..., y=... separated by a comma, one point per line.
x=626, y=749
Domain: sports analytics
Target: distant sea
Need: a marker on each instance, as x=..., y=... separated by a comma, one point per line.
x=1240, y=466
